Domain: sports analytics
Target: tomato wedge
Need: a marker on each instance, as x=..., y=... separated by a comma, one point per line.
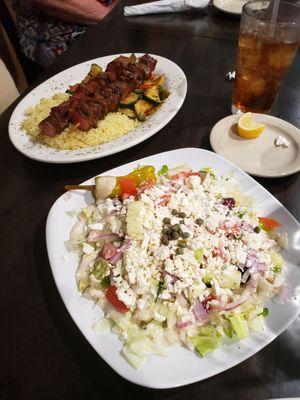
x=268, y=224
x=128, y=186
x=111, y=295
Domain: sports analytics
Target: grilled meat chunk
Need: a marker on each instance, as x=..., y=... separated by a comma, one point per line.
x=93, y=100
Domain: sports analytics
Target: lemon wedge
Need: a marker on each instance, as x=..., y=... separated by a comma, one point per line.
x=249, y=129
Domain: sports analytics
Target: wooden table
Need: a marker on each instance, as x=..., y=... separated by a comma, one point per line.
x=43, y=354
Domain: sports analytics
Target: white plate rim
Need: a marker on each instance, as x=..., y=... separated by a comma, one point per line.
x=266, y=118
x=218, y=6
x=135, y=379
x=178, y=102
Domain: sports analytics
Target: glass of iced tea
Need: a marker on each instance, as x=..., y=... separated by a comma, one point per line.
x=268, y=42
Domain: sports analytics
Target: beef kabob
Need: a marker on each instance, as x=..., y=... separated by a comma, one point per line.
x=92, y=99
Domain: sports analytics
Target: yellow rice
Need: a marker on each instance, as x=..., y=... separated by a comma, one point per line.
x=111, y=127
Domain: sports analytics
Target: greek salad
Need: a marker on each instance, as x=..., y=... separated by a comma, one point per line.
x=176, y=257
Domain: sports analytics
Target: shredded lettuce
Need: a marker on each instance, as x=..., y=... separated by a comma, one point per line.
x=205, y=344
x=239, y=325
x=277, y=261
x=100, y=270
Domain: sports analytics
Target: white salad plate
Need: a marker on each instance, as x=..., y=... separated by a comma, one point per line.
x=180, y=367
x=176, y=83
x=259, y=156
x=230, y=6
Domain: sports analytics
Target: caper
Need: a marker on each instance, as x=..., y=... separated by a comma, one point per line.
x=174, y=212
x=185, y=235
x=257, y=229
x=165, y=231
x=165, y=240
x=166, y=221
x=179, y=250
x=199, y=221
x=181, y=243
x=175, y=235
x=180, y=232
x=181, y=215
x=181, y=221
x=176, y=227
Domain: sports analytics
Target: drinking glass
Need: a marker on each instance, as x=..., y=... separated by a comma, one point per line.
x=268, y=42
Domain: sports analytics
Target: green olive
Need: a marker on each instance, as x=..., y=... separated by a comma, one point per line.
x=181, y=215
x=181, y=243
x=166, y=221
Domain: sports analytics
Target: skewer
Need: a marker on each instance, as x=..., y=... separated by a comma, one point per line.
x=80, y=187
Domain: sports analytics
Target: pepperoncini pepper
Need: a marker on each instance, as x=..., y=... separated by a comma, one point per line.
x=128, y=184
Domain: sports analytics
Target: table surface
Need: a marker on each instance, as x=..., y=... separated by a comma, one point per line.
x=43, y=354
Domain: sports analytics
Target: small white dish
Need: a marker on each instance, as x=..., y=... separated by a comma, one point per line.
x=176, y=83
x=259, y=156
x=230, y=6
x=180, y=367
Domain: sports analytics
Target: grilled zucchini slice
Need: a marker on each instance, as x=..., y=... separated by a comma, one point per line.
x=141, y=108
x=152, y=95
x=130, y=100
x=128, y=111
x=95, y=70
x=160, y=80
x=164, y=93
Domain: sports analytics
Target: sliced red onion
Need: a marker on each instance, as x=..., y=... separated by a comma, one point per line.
x=224, y=254
x=182, y=325
x=262, y=267
x=120, y=251
x=245, y=276
x=285, y=293
x=251, y=252
x=200, y=311
x=249, y=290
x=96, y=235
x=252, y=259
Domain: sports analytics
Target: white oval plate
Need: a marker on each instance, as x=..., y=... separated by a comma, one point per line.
x=176, y=83
x=181, y=366
x=260, y=156
x=230, y=6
